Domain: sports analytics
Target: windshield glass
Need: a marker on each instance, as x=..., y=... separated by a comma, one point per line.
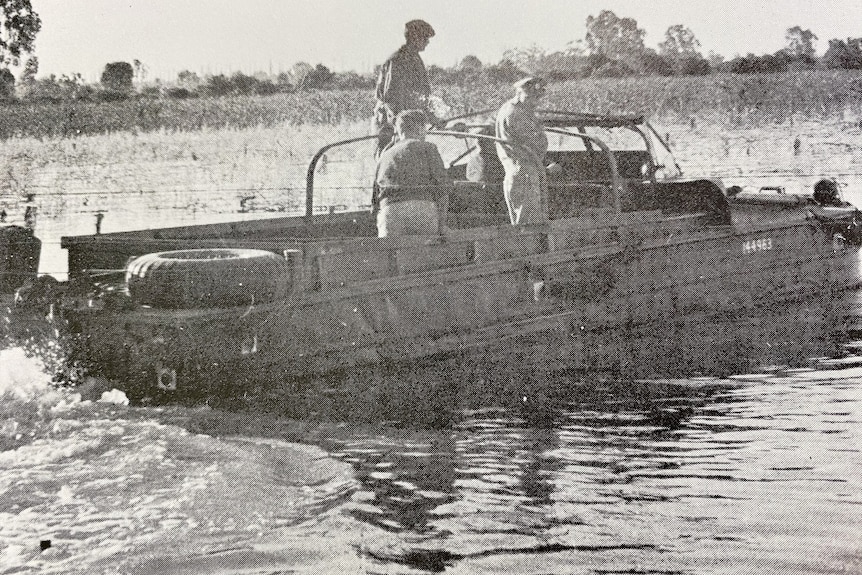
x=665, y=161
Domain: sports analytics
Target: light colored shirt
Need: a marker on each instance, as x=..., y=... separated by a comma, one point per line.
x=402, y=85
x=410, y=170
x=517, y=123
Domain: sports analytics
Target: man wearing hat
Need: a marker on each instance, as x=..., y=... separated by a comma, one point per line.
x=403, y=81
x=524, y=186
x=411, y=186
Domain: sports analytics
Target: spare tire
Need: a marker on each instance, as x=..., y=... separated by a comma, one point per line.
x=206, y=278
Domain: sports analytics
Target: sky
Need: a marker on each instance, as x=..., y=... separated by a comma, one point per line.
x=226, y=36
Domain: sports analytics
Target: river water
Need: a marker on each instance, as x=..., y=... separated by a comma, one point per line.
x=753, y=472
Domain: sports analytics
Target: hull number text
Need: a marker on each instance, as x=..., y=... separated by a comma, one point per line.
x=758, y=245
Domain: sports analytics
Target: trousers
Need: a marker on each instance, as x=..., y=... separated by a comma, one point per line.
x=410, y=217
x=524, y=188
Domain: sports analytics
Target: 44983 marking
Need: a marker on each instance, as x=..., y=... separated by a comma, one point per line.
x=758, y=245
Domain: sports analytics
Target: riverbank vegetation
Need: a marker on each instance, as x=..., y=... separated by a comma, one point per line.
x=733, y=98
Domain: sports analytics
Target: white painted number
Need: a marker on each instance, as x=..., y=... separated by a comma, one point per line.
x=758, y=245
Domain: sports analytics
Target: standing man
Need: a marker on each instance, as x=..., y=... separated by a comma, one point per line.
x=524, y=186
x=403, y=81
x=411, y=186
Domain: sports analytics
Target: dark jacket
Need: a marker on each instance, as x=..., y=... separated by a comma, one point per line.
x=410, y=170
x=401, y=85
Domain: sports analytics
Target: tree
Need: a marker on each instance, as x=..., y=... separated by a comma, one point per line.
x=800, y=43
x=243, y=83
x=470, y=63
x=71, y=87
x=752, y=64
x=681, y=51
x=46, y=89
x=693, y=66
x=615, y=37
x=562, y=66
x=529, y=59
x=31, y=68
x=118, y=76
x=216, y=86
x=656, y=64
x=846, y=55
x=7, y=84
x=505, y=72
x=613, y=69
x=679, y=42
x=714, y=59
x=318, y=78
x=352, y=81
x=576, y=48
x=188, y=80
x=140, y=71
x=298, y=72
x=18, y=30
x=284, y=82
x=437, y=75
x=568, y=64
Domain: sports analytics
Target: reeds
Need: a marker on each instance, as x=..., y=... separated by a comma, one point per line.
x=734, y=98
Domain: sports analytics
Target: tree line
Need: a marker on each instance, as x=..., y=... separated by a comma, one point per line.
x=123, y=80
x=612, y=46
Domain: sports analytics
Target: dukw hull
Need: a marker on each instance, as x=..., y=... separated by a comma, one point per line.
x=487, y=302
x=632, y=255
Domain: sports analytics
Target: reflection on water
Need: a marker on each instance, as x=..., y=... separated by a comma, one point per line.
x=756, y=474
x=740, y=474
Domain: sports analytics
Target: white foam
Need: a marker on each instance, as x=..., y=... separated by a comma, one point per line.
x=22, y=377
x=114, y=396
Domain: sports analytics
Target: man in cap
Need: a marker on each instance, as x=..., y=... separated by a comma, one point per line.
x=524, y=186
x=403, y=81
x=411, y=186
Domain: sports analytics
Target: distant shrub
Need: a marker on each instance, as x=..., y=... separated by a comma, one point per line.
x=266, y=89
x=352, y=81
x=7, y=84
x=217, y=86
x=151, y=92
x=117, y=77
x=613, y=69
x=693, y=66
x=179, y=93
x=845, y=55
x=53, y=89
x=111, y=96
x=656, y=65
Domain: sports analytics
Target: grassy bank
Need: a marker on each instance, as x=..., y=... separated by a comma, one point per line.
x=734, y=98
x=77, y=118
